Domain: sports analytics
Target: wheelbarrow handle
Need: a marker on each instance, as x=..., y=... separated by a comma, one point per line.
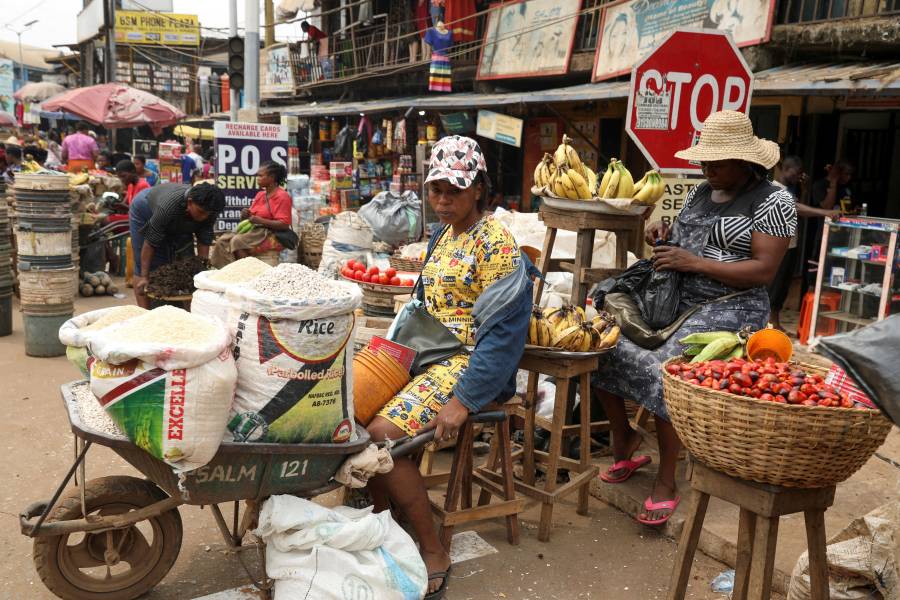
x=414, y=443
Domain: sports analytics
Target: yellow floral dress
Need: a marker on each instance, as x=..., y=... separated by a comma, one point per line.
x=459, y=269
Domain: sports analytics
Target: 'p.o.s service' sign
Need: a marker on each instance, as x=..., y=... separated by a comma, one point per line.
x=240, y=149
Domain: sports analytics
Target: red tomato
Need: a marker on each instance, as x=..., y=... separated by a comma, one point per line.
x=393, y=280
x=373, y=271
x=391, y=272
x=408, y=282
x=383, y=279
x=365, y=277
x=358, y=274
x=673, y=369
x=767, y=397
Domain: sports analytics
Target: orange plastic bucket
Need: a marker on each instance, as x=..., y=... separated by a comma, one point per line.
x=767, y=343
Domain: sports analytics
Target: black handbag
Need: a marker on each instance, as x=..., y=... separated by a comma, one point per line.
x=286, y=237
x=418, y=329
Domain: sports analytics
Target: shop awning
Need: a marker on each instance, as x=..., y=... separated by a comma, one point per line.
x=832, y=79
x=470, y=100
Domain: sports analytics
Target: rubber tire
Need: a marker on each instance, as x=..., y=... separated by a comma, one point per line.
x=99, y=492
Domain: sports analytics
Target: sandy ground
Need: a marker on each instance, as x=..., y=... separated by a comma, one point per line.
x=604, y=555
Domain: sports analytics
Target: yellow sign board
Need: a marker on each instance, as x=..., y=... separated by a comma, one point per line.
x=157, y=29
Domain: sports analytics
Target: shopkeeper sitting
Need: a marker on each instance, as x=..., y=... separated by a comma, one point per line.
x=165, y=221
x=269, y=212
x=475, y=284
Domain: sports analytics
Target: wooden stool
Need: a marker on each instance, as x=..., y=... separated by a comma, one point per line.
x=761, y=507
x=457, y=508
x=581, y=471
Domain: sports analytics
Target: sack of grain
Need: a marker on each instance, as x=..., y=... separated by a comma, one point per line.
x=209, y=298
x=167, y=379
x=349, y=237
x=293, y=357
x=77, y=332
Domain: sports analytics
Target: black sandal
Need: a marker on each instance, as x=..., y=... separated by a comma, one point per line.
x=439, y=593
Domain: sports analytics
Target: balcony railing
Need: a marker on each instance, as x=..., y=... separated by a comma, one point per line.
x=810, y=11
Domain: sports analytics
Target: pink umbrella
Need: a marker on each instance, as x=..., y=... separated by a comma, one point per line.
x=8, y=120
x=115, y=105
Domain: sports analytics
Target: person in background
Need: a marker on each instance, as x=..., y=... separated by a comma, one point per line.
x=195, y=154
x=208, y=163
x=13, y=164
x=833, y=192
x=314, y=35
x=54, y=155
x=133, y=182
x=791, y=177
x=188, y=168
x=144, y=170
x=165, y=221
x=119, y=155
x=79, y=150
x=104, y=162
x=270, y=211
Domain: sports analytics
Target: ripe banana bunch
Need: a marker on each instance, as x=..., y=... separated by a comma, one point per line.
x=605, y=331
x=29, y=165
x=567, y=156
x=564, y=317
x=568, y=183
x=577, y=338
x=650, y=188
x=78, y=179
x=539, y=332
x=617, y=181
x=544, y=171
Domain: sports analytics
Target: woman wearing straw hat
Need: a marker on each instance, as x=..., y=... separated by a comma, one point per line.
x=728, y=242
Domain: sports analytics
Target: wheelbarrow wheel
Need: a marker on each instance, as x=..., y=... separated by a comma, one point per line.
x=112, y=565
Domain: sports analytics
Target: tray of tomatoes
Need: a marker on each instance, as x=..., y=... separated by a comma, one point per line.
x=785, y=383
x=376, y=279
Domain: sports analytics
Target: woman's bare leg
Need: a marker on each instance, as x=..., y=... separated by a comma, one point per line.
x=665, y=487
x=625, y=440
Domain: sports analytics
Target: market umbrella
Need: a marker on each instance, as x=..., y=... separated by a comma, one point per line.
x=194, y=133
x=7, y=120
x=115, y=105
x=38, y=91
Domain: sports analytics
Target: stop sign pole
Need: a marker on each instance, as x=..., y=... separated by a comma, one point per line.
x=689, y=76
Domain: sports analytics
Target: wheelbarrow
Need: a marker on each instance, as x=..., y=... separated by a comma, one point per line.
x=132, y=531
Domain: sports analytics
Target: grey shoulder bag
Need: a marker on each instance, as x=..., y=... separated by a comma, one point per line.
x=418, y=329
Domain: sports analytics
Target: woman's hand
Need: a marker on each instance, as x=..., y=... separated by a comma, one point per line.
x=674, y=258
x=448, y=422
x=245, y=214
x=140, y=285
x=656, y=231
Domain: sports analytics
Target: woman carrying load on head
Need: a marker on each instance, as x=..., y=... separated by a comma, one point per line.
x=728, y=241
x=476, y=284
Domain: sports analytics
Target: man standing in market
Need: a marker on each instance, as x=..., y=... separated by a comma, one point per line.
x=165, y=222
x=79, y=150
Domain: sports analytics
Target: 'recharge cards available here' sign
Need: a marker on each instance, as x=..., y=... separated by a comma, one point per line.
x=240, y=149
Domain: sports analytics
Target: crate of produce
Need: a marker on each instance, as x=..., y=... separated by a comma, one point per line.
x=798, y=436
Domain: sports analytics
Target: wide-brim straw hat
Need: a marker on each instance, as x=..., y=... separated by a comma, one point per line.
x=728, y=135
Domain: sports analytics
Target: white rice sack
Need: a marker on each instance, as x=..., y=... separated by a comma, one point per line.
x=77, y=332
x=209, y=297
x=293, y=357
x=167, y=379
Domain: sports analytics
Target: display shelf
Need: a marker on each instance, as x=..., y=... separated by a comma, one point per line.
x=840, y=315
x=877, y=263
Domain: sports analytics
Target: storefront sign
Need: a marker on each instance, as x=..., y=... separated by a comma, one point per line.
x=157, y=29
x=458, y=123
x=630, y=29
x=7, y=102
x=672, y=202
x=278, y=75
x=501, y=128
x=240, y=148
x=691, y=75
x=528, y=38
x=146, y=148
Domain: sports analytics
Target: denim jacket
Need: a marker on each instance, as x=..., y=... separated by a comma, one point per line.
x=502, y=314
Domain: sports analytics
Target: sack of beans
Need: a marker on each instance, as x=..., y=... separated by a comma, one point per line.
x=76, y=333
x=294, y=352
x=209, y=297
x=167, y=379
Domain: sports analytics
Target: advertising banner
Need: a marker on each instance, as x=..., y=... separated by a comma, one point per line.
x=278, y=75
x=632, y=28
x=240, y=148
x=499, y=127
x=7, y=102
x=157, y=29
x=528, y=38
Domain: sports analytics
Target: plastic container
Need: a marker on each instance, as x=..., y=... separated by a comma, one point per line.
x=5, y=315
x=767, y=343
x=42, y=334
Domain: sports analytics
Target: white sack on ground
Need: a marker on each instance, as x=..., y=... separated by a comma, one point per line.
x=338, y=553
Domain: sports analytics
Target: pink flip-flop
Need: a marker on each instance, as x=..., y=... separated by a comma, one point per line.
x=650, y=506
x=630, y=466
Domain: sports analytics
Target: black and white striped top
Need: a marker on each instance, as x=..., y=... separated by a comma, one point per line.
x=766, y=209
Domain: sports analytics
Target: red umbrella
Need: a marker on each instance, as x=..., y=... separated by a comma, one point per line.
x=116, y=105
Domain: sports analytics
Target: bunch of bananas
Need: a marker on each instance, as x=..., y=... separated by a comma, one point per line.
x=244, y=226
x=564, y=175
x=29, y=165
x=617, y=181
x=76, y=179
x=650, y=188
x=712, y=345
x=568, y=328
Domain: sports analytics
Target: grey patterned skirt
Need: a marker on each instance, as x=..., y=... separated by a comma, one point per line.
x=633, y=373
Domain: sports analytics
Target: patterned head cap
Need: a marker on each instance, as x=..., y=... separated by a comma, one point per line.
x=456, y=159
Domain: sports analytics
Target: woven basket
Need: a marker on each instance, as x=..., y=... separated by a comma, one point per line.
x=768, y=442
x=312, y=240
x=406, y=264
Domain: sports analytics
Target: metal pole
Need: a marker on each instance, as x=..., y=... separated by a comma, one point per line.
x=21, y=60
x=270, y=23
x=251, y=54
x=111, y=36
x=232, y=25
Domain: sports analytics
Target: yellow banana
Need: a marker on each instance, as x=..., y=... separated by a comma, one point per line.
x=587, y=333
x=559, y=187
x=626, y=183
x=645, y=196
x=591, y=181
x=581, y=314
x=538, y=175
x=660, y=189
x=582, y=190
x=604, y=182
x=544, y=334
x=613, y=188
x=609, y=340
x=532, y=331
x=638, y=185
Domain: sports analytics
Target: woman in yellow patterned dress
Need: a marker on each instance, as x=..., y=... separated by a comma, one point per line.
x=476, y=284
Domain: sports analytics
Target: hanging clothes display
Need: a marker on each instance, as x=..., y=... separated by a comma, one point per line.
x=440, y=75
x=459, y=15
x=422, y=16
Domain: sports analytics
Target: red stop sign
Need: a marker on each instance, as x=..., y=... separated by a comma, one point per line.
x=689, y=76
